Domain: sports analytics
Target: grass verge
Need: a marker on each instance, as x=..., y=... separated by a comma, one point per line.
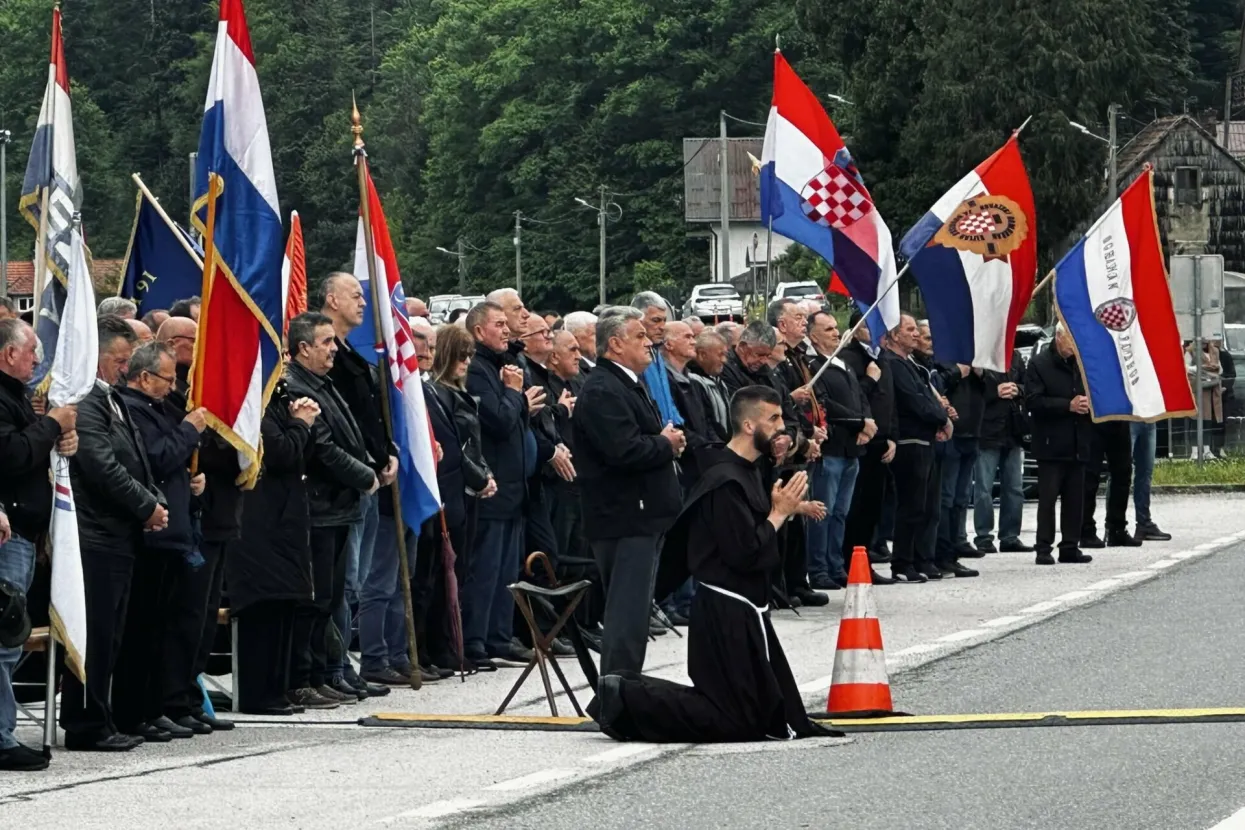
x=1187, y=472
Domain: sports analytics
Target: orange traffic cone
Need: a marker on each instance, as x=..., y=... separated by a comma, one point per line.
x=859, y=686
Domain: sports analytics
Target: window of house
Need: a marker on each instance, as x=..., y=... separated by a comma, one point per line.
x=1188, y=186
x=25, y=304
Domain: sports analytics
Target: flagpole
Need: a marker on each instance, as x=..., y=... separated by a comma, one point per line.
x=847, y=338
x=41, y=259
x=155, y=203
x=386, y=383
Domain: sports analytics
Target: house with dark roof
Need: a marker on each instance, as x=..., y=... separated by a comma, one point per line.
x=105, y=273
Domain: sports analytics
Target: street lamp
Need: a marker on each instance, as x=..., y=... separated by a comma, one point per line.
x=1112, y=146
x=461, y=256
x=840, y=99
x=5, y=138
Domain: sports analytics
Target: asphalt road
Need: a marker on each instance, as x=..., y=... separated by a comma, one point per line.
x=1171, y=642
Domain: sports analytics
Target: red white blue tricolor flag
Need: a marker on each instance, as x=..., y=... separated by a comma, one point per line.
x=974, y=255
x=239, y=346
x=813, y=193
x=1111, y=291
x=412, y=433
x=52, y=182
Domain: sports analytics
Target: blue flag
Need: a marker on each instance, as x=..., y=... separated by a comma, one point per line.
x=162, y=265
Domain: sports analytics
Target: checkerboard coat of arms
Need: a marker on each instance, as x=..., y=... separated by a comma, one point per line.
x=835, y=198
x=990, y=226
x=1117, y=314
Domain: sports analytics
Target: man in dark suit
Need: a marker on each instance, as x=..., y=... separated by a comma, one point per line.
x=338, y=473
x=629, y=488
x=1062, y=442
x=116, y=501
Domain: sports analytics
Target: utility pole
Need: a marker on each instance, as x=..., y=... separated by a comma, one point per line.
x=724, y=261
x=518, y=248
x=601, y=222
x=5, y=138
x=462, y=268
x=1112, y=151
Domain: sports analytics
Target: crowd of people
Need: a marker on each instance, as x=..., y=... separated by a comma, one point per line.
x=580, y=436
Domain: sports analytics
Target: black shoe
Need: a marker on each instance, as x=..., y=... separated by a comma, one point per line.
x=429, y=674
x=879, y=557
x=195, y=725
x=987, y=547
x=931, y=574
x=481, y=664
x=1044, y=558
x=1121, y=539
x=344, y=687
x=174, y=729
x=333, y=693
x=1075, y=558
x=1015, y=546
x=956, y=569
x=1151, y=533
x=812, y=598
x=561, y=647
x=908, y=576
x=878, y=579
x=519, y=655
x=93, y=743
x=309, y=698
x=216, y=723
x=150, y=734
x=386, y=677
x=967, y=551
x=674, y=617
x=22, y=759
x=277, y=710
x=824, y=583
x=1092, y=541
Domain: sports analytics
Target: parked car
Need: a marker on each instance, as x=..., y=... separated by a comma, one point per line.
x=1028, y=336
x=464, y=302
x=714, y=301
x=438, y=307
x=798, y=291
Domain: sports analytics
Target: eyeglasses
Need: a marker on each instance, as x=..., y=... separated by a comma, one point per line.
x=544, y=334
x=171, y=381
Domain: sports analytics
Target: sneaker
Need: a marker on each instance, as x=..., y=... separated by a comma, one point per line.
x=987, y=546
x=1015, y=546
x=878, y=579
x=22, y=759
x=1044, y=558
x=1075, y=558
x=1121, y=539
x=329, y=693
x=386, y=677
x=812, y=598
x=309, y=698
x=1151, y=533
x=907, y=576
x=956, y=569
x=1092, y=541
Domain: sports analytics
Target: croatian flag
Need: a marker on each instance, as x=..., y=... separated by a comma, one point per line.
x=238, y=354
x=1111, y=291
x=72, y=378
x=294, y=273
x=974, y=254
x=412, y=431
x=814, y=195
x=52, y=181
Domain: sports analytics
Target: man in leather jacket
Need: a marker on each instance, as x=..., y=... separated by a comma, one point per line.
x=116, y=500
x=339, y=471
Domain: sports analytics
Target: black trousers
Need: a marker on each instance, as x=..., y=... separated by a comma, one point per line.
x=567, y=517
x=265, y=649
x=1065, y=481
x=106, y=575
x=310, y=666
x=194, y=604
x=628, y=567
x=1112, y=443
x=917, y=501
x=866, y=509
x=137, y=693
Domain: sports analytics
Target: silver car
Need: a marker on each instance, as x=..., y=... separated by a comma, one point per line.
x=714, y=301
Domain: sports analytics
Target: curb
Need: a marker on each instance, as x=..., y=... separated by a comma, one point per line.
x=1195, y=489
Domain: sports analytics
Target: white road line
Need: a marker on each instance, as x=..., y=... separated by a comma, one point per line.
x=1071, y=596
x=1209, y=545
x=1236, y=821
x=923, y=648
x=544, y=776
x=1161, y=564
x=999, y=622
x=1225, y=540
x=1133, y=575
x=963, y=635
x=1188, y=554
x=815, y=685
x=1103, y=585
x=618, y=753
x=1049, y=605
x=437, y=809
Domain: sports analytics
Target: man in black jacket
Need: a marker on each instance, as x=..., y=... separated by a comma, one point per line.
x=339, y=471
x=849, y=426
x=116, y=500
x=869, y=494
x=1003, y=427
x=26, y=444
x=922, y=421
x=564, y=382
x=150, y=661
x=629, y=487
x=1062, y=440
x=356, y=381
x=706, y=372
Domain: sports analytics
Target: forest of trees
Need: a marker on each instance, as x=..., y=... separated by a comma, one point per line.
x=474, y=109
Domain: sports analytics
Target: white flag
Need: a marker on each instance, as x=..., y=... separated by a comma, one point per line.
x=73, y=377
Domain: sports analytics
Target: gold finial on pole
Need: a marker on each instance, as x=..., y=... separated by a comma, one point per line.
x=356, y=121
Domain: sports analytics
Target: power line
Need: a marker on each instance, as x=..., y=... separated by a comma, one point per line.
x=744, y=121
